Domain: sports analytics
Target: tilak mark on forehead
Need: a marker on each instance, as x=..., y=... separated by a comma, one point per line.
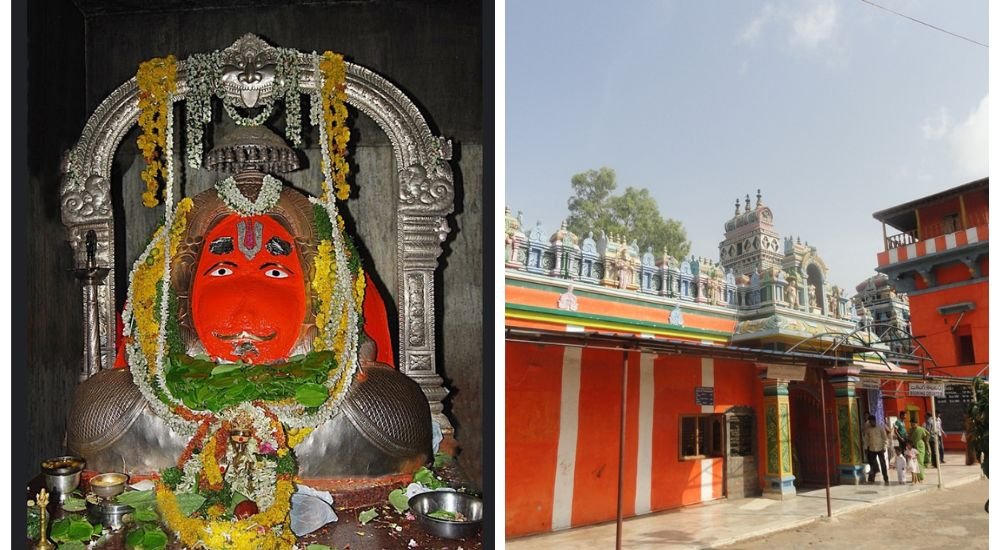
x=250, y=238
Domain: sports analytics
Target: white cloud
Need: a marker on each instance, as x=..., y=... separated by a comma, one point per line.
x=814, y=27
x=753, y=29
x=970, y=140
x=937, y=127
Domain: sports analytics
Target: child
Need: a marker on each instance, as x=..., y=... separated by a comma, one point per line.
x=900, y=463
x=911, y=462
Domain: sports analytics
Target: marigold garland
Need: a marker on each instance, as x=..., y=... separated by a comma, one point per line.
x=157, y=79
x=242, y=534
x=334, y=124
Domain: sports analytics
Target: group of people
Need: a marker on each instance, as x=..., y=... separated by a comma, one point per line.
x=911, y=451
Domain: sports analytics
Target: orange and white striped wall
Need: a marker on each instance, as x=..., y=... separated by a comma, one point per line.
x=563, y=419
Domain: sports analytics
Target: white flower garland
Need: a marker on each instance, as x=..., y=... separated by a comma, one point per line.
x=250, y=121
x=168, y=223
x=267, y=197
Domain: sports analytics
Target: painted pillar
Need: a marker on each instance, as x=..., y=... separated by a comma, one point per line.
x=778, y=479
x=850, y=459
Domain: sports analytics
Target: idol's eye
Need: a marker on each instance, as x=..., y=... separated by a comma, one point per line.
x=275, y=273
x=221, y=271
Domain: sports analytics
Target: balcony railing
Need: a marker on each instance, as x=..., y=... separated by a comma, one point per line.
x=902, y=239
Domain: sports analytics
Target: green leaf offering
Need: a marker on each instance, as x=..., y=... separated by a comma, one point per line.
x=399, y=501
x=426, y=478
x=73, y=545
x=155, y=538
x=135, y=538
x=137, y=499
x=80, y=529
x=74, y=504
x=443, y=514
x=59, y=530
x=440, y=459
x=224, y=368
x=312, y=395
x=315, y=546
x=145, y=514
x=367, y=515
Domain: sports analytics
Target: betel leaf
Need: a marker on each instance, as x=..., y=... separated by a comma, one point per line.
x=443, y=514
x=135, y=538
x=367, y=515
x=426, y=478
x=80, y=529
x=187, y=503
x=72, y=545
x=311, y=394
x=145, y=514
x=440, y=459
x=59, y=530
x=399, y=501
x=137, y=499
x=74, y=504
x=155, y=538
x=224, y=368
x=315, y=546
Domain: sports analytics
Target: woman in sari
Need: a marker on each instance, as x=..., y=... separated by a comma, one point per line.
x=919, y=437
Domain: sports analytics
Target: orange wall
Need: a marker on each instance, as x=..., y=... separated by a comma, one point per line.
x=533, y=394
x=935, y=329
x=932, y=217
x=533, y=382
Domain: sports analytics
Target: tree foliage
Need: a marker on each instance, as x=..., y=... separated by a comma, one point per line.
x=634, y=214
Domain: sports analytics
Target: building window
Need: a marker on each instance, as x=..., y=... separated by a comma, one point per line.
x=701, y=436
x=964, y=350
x=950, y=223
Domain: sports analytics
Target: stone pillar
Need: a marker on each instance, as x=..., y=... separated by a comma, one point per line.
x=778, y=479
x=850, y=459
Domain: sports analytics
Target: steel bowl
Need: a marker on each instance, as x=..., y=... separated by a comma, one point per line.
x=448, y=501
x=113, y=515
x=62, y=474
x=108, y=485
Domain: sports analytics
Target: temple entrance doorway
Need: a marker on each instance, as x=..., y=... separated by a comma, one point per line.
x=741, y=478
x=808, y=462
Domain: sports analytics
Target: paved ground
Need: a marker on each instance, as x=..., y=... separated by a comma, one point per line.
x=727, y=522
x=949, y=518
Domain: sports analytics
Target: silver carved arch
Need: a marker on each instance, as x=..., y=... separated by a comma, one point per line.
x=425, y=197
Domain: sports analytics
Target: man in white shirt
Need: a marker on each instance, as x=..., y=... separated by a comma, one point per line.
x=875, y=443
x=931, y=425
x=941, y=434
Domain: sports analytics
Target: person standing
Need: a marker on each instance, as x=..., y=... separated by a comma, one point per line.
x=899, y=462
x=918, y=438
x=931, y=456
x=940, y=437
x=899, y=428
x=875, y=443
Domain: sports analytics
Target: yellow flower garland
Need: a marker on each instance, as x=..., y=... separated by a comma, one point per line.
x=146, y=281
x=334, y=94
x=297, y=435
x=157, y=79
x=240, y=535
x=322, y=284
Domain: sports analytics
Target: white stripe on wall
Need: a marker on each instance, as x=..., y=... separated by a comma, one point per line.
x=931, y=245
x=972, y=234
x=911, y=251
x=707, y=379
x=569, y=410
x=950, y=241
x=574, y=328
x=893, y=255
x=644, y=458
x=706, y=478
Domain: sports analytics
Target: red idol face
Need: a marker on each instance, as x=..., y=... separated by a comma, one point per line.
x=248, y=299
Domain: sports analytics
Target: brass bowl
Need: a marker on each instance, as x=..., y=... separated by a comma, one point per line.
x=448, y=501
x=108, y=485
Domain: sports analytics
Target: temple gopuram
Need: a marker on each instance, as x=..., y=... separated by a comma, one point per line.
x=677, y=381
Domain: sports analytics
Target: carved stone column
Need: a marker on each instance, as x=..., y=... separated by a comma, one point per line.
x=779, y=480
x=850, y=459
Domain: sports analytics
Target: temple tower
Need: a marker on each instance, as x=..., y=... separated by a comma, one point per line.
x=751, y=243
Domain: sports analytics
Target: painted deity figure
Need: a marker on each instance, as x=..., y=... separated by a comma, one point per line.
x=792, y=293
x=253, y=293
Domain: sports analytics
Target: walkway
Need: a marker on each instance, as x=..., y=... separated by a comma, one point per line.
x=725, y=522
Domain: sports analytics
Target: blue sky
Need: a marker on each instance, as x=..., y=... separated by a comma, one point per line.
x=834, y=109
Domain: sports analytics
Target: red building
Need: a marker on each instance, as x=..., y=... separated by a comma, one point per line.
x=937, y=252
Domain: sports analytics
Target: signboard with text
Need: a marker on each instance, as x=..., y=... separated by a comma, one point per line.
x=704, y=396
x=786, y=372
x=926, y=390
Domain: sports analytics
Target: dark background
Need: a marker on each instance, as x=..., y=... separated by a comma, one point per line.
x=78, y=52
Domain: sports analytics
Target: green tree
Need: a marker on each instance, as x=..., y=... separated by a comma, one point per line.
x=633, y=214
